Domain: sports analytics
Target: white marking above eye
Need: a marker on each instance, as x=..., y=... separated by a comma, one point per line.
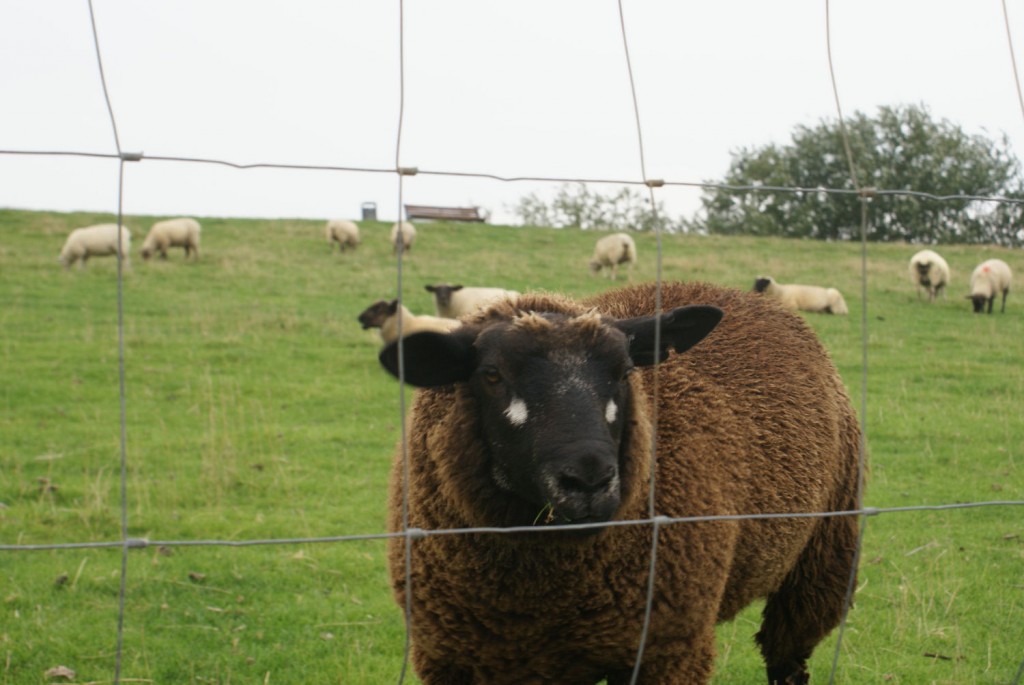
x=611, y=411
x=516, y=412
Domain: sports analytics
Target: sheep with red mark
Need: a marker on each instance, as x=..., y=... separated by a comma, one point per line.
x=989, y=279
x=539, y=411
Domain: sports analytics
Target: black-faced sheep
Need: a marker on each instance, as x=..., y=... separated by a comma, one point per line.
x=991, y=277
x=929, y=272
x=538, y=410
x=807, y=298
x=95, y=241
x=613, y=250
x=403, y=234
x=172, y=233
x=384, y=315
x=452, y=301
x=343, y=232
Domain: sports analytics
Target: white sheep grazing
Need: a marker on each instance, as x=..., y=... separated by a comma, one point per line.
x=343, y=232
x=95, y=241
x=929, y=271
x=172, y=233
x=408, y=236
x=808, y=298
x=385, y=316
x=452, y=301
x=612, y=250
x=991, y=277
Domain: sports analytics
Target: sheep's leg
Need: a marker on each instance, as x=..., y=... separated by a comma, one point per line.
x=810, y=601
x=1003, y=309
x=791, y=674
x=991, y=301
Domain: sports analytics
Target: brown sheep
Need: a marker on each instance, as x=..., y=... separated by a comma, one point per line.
x=531, y=414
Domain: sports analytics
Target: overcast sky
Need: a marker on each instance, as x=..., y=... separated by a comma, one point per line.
x=510, y=88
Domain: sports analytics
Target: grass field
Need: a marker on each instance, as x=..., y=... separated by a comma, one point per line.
x=256, y=410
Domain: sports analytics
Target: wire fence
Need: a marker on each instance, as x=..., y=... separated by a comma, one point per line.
x=410, y=534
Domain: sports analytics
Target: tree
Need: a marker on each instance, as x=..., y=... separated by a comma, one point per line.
x=901, y=149
x=576, y=205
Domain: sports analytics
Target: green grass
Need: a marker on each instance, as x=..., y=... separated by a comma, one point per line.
x=256, y=410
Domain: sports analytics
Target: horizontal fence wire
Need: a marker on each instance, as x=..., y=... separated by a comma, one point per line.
x=416, y=171
x=420, y=533
x=127, y=543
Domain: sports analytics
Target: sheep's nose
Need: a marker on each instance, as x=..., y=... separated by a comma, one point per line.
x=586, y=476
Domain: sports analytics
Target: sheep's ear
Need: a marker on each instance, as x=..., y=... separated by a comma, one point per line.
x=681, y=329
x=432, y=359
x=429, y=288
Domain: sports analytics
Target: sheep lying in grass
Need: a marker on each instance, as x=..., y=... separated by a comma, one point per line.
x=95, y=241
x=403, y=234
x=929, y=272
x=991, y=277
x=808, y=298
x=538, y=411
x=452, y=301
x=385, y=316
x=613, y=250
x=172, y=233
x=343, y=232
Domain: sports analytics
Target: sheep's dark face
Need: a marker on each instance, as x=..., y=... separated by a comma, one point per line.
x=761, y=284
x=553, y=396
x=443, y=293
x=978, y=302
x=553, y=400
x=923, y=276
x=377, y=313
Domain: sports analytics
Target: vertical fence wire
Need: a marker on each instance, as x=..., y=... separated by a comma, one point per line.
x=403, y=444
x=862, y=446
x=652, y=478
x=1013, y=57
x=1020, y=101
x=122, y=394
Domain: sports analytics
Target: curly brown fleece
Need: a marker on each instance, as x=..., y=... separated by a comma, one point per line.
x=753, y=420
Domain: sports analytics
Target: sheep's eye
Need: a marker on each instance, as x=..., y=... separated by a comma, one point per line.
x=491, y=376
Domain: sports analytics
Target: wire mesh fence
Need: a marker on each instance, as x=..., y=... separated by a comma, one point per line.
x=130, y=544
